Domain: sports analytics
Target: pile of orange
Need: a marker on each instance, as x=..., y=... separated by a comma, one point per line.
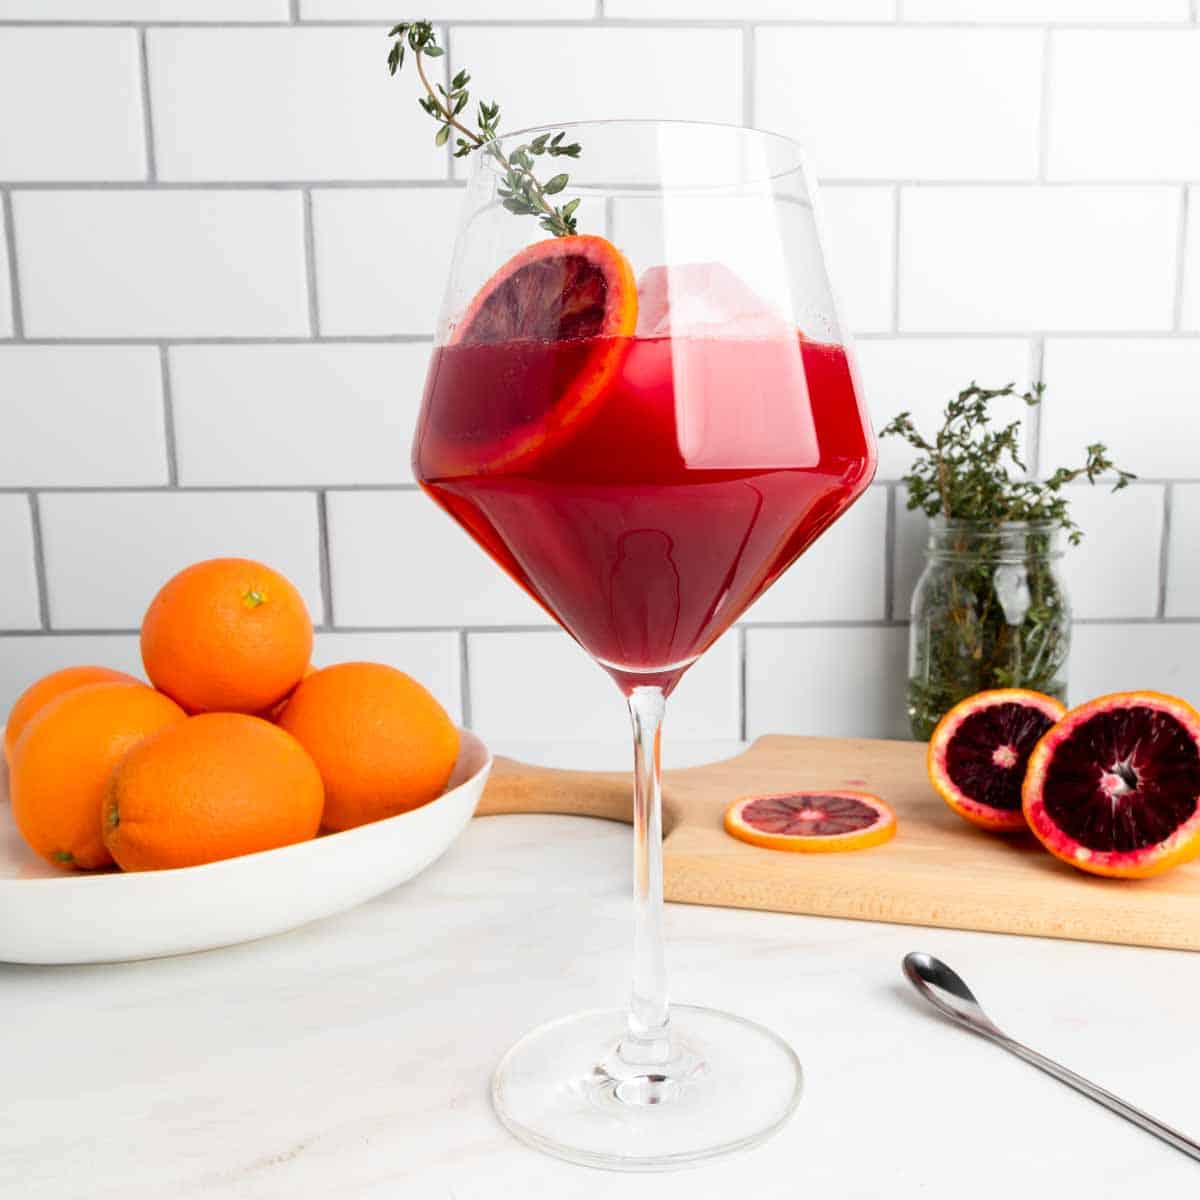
x=237, y=745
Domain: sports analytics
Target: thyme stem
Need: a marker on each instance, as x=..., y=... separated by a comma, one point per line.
x=520, y=191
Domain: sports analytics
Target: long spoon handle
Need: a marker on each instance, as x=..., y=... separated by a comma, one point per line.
x=1101, y=1095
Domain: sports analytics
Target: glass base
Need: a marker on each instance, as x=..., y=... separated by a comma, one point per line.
x=570, y=1088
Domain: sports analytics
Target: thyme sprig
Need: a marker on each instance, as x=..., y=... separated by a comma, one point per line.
x=520, y=190
x=965, y=472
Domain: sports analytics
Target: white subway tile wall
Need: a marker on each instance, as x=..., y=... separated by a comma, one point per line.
x=292, y=104
x=382, y=256
x=1189, y=316
x=860, y=225
x=6, y=289
x=161, y=264
x=107, y=553
x=1020, y=259
x=1141, y=396
x=564, y=697
x=81, y=416
x=294, y=414
x=27, y=657
x=223, y=11
x=396, y=559
x=1183, y=582
x=84, y=85
x=960, y=103
x=1148, y=128
x=435, y=659
x=919, y=376
x=224, y=233
x=18, y=570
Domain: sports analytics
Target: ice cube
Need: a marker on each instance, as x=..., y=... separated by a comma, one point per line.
x=736, y=404
x=704, y=299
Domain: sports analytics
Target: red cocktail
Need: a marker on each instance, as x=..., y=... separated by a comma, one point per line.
x=648, y=522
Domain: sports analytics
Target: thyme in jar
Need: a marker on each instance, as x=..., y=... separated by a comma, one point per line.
x=972, y=471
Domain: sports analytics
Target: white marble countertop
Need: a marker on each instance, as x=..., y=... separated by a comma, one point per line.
x=351, y=1058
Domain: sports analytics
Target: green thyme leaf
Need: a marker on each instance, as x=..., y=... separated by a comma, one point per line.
x=521, y=192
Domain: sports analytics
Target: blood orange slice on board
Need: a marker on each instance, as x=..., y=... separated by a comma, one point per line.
x=1114, y=787
x=979, y=751
x=568, y=305
x=811, y=822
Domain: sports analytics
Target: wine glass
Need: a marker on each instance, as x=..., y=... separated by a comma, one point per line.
x=644, y=424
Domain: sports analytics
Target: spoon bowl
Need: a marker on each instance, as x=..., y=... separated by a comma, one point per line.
x=946, y=990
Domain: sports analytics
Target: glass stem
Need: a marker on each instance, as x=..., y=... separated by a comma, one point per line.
x=647, y=1040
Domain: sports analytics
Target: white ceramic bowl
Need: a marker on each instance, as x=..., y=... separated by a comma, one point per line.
x=48, y=916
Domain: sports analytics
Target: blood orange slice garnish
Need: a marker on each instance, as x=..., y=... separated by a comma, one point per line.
x=577, y=293
x=979, y=751
x=817, y=821
x=1114, y=787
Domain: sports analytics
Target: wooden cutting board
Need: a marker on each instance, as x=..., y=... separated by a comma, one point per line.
x=937, y=870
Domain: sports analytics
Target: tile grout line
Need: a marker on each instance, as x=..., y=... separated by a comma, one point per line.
x=464, y=677
x=39, y=562
x=447, y=60
x=401, y=183
x=554, y=631
x=323, y=562
x=147, y=115
x=1180, y=254
x=312, y=487
x=310, y=264
x=1164, y=551
x=889, y=552
x=896, y=202
x=293, y=12
x=1033, y=416
x=426, y=339
x=1048, y=43
x=748, y=75
x=668, y=24
x=83, y=186
x=168, y=403
x=10, y=247
x=348, y=339
x=743, y=706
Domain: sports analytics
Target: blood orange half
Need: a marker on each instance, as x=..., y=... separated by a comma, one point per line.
x=818, y=821
x=979, y=750
x=1114, y=787
x=576, y=298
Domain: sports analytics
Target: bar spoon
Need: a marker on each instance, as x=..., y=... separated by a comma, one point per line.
x=947, y=992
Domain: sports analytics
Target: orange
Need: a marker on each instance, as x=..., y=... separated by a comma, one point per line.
x=35, y=697
x=578, y=289
x=62, y=762
x=1114, y=787
x=817, y=821
x=979, y=751
x=382, y=743
x=211, y=787
x=273, y=713
x=227, y=635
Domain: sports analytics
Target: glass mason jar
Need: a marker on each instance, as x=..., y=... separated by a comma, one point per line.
x=989, y=611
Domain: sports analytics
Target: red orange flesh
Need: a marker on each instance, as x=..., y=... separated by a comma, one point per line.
x=978, y=752
x=562, y=289
x=1114, y=787
x=815, y=821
